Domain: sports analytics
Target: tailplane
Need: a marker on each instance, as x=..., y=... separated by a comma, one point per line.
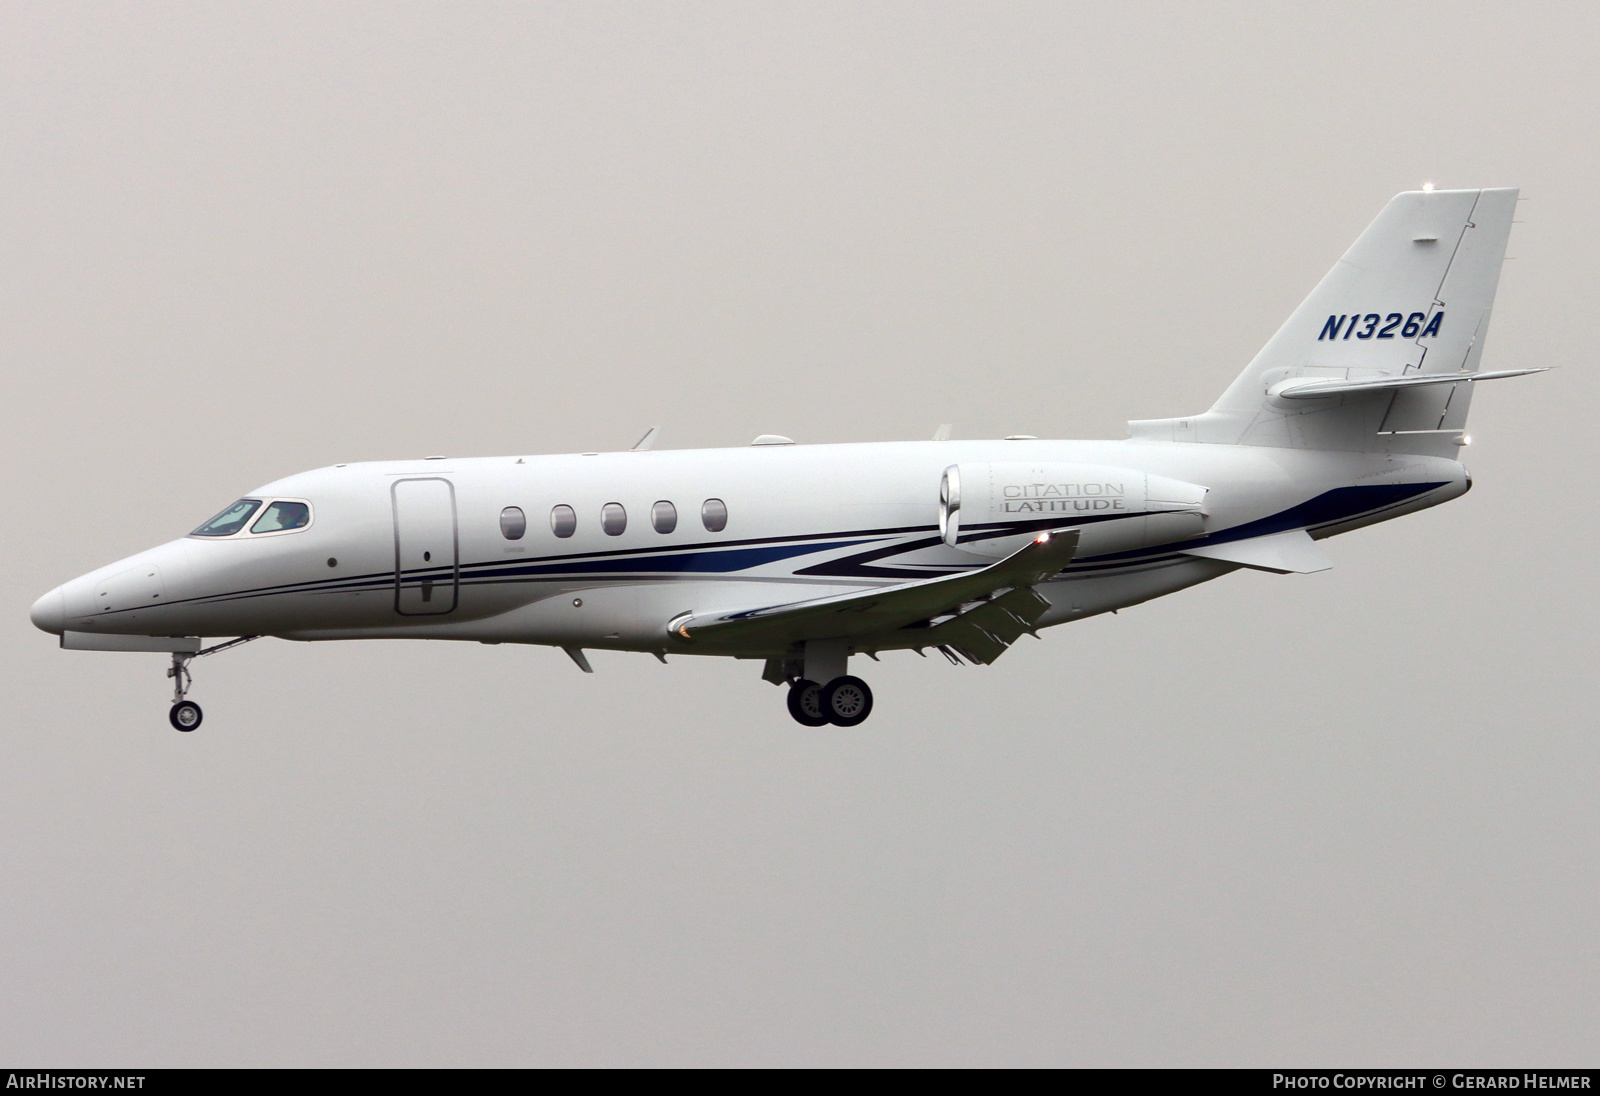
x=1382, y=355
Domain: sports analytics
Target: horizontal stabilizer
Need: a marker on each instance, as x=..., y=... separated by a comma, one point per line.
x=1288, y=553
x=886, y=608
x=1312, y=388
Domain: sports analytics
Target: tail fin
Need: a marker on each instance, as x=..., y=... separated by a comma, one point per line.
x=1410, y=299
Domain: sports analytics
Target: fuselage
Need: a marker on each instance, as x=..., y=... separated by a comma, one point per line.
x=469, y=549
x=804, y=556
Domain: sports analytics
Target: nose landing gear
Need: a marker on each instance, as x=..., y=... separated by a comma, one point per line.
x=185, y=715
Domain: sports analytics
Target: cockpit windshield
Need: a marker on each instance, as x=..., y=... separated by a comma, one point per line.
x=230, y=521
x=282, y=516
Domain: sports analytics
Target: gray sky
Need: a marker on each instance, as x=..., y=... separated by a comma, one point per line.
x=1347, y=818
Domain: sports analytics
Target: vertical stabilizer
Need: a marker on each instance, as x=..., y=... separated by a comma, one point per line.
x=1411, y=297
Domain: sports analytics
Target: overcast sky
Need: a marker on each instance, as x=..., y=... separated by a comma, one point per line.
x=1345, y=818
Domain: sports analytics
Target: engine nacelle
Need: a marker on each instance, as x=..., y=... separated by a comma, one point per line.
x=994, y=508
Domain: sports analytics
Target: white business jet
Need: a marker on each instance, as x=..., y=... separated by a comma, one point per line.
x=802, y=556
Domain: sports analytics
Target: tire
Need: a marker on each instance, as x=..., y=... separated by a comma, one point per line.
x=185, y=715
x=847, y=700
x=805, y=704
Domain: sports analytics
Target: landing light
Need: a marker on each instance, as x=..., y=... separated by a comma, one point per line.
x=1042, y=538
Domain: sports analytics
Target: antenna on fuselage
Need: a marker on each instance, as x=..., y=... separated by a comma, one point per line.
x=647, y=441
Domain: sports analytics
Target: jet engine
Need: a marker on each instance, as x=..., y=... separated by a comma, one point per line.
x=994, y=508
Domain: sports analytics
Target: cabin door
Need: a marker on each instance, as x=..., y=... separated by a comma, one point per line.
x=427, y=571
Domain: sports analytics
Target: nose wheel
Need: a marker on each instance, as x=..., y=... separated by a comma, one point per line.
x=845, y=702
x=185, y=715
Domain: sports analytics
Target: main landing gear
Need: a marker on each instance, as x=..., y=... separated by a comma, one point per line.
x=820, y=691
x=845, y=702
x=185, y=715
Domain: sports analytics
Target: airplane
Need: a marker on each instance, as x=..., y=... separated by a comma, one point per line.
x=802, y=556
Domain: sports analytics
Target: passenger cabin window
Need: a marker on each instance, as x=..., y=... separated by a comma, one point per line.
x=230, y=521
x=282, y=516
x=563, y=520
x=513, y=523
x=613, y=519
x=714, y=512
x=664, y=516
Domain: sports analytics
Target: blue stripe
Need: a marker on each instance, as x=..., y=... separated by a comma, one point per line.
x=718, y=562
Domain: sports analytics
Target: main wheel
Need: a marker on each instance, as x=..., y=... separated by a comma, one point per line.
x=185, y=715
x=805, y=703
x=847, y=701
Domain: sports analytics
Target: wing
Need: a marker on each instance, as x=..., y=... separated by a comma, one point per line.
x=920, y=603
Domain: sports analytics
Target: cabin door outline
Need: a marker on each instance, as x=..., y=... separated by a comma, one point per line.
x=427, y=546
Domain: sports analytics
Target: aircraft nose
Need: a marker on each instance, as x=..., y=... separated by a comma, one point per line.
x=49, y=613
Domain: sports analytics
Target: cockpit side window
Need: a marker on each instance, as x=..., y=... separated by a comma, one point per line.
x=230, y=521
x=282, y=516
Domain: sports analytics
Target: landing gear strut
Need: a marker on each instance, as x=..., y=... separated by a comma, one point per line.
x=186, y=715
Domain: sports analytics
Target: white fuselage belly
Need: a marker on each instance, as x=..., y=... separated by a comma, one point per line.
x=803, y=522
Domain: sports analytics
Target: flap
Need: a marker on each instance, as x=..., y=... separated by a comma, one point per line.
x=983, y=632
x=1293, y=552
